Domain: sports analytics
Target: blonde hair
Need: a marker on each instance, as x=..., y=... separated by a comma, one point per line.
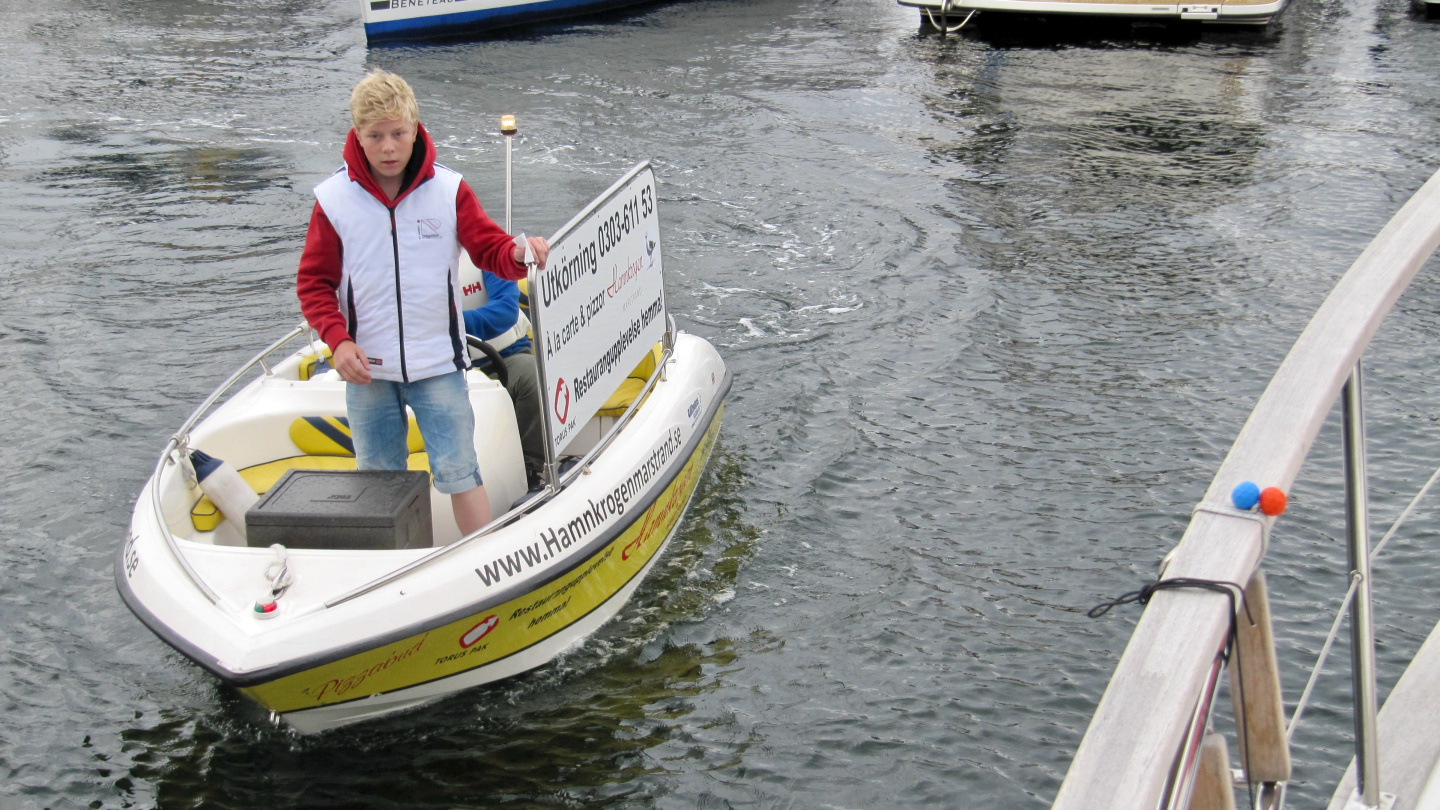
x=382, y=96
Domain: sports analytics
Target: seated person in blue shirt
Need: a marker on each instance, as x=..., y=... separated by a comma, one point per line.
x=491, y=322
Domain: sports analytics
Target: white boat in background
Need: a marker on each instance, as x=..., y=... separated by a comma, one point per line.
x=324, y=634
x=1152, y=742
x=950, y=15
x=399, y=20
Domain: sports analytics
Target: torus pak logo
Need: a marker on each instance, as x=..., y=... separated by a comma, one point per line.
x=562, y=400
x=479, y=631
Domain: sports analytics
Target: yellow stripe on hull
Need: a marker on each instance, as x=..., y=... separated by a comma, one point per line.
x=503, y=630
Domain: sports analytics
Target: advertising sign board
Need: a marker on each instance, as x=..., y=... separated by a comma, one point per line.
x=599, y=304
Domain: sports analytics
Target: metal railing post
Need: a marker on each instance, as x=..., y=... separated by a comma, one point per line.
x=1362, y=630
x=508, y=129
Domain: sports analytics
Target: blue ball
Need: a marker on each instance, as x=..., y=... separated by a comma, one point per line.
x=1245, y=496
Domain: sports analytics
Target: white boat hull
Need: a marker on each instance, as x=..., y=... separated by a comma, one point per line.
x=364, y=633
x=312, y=721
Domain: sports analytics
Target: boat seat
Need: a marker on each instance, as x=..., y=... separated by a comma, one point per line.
x=324, y=444
x=312, y=364
x=330, y=436
x=630, y=388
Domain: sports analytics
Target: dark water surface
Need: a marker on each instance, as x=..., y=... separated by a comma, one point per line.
x=995, y=311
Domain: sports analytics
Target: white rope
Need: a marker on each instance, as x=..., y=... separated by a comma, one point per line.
x=1345, y=605
x=1403, y=515
x=1227, y=510
x=310, y=335
x=1320, y=661
x=278, y=571
x=941, y=26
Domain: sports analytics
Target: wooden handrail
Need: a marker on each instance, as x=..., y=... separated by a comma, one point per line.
x=1124, y=759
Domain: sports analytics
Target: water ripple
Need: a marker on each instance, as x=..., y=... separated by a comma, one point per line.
x=995, y=308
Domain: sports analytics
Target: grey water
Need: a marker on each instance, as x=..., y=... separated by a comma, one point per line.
x=995, y=306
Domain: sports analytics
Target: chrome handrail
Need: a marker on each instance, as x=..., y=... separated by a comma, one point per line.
x=180, y=442
x=1362, y=624
x=225, y=386
x=170, y=542
x=1187, y=764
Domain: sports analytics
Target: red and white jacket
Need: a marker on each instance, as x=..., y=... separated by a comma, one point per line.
x=384, y=273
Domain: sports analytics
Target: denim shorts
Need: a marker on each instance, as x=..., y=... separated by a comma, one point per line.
x=378, y=425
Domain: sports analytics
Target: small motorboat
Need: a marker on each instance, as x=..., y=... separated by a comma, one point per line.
x=401, y=20
x=358, y=613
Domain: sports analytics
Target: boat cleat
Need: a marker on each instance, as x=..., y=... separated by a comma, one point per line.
x=278, y=573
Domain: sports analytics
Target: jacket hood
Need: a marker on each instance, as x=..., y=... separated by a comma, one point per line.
x=359, y=166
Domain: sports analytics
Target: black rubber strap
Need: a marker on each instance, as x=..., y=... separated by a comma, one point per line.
x=1232, y=592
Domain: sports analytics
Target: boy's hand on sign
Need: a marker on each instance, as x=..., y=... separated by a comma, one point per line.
x=535, y=249
x=351, y=362
x=540, y=247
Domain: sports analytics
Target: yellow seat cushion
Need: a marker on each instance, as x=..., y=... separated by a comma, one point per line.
x=262, y=477
x=310, y=361
x=330, y=436
x=630, y=388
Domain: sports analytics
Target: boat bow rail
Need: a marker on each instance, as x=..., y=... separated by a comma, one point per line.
x=176, y=451
x=1141, y=750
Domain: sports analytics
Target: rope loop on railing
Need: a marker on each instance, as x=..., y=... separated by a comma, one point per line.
x=1142, y=597
x=179, y=455
x=278, y=572
x=1230, y=648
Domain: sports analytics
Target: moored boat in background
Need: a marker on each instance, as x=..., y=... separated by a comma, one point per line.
x=399, y=20
x=950, y=15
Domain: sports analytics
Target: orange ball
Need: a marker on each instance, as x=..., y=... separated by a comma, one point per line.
x=1272, y=501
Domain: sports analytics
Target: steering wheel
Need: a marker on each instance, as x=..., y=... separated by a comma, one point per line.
x=497, y=366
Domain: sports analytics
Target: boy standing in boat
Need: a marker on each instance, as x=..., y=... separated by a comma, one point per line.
x=378, y=280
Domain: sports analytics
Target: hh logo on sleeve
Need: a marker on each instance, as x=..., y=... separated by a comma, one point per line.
x=429, y=228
